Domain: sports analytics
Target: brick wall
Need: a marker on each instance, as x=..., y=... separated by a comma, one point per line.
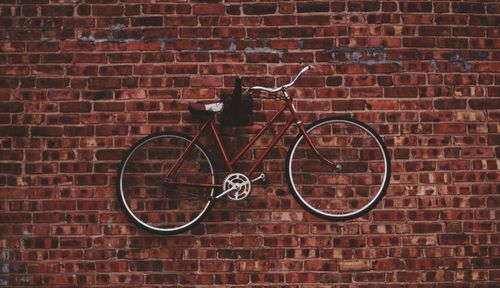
x=80, y=81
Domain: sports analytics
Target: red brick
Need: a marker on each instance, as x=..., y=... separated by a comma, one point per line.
x=475, y=8
x=52, y=82
x=450, y=103
x=111, y=130
x=107, y=10
x=124, y=58
x=208, y=9
x=147, y=21
x=421, y=42
x=398, y=92
x=258, y=57
x=58, y=10
x=48, y=131
x=308, y=7
x=193, y=57
x=366, y=6
x=80, y=83
x=76, y=106
x=115, y=70
x=43, y=46
x=314, y=20
x=104, y=83
x=9, y=82
x=362, y=80
x=354, y=265
x=296, y=32
x=484, y=103
x=420, y=6
x=449, y=128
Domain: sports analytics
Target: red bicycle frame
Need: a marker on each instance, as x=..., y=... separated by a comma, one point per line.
x=210, y=124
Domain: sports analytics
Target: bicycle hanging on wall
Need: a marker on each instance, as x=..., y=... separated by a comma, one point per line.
x=337, y=168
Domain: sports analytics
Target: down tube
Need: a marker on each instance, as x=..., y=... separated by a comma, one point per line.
x=254, y=139
x=271, y=145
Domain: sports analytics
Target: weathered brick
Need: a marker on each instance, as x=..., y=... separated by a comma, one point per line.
x=314, y=20
x=363, y=6
x=124, y=58
x=475, y=8
x=147, y=21
x=259, y=8
x=258, y=57
x=482, y=104
x=48, y=131
x=52, y=82
x=400, y=92
x=354, y=265
x=57, y=10
x=108, y=130
x=81, y=82
x=447, y=104
x=208, y=9
x=104, y=83
x=77, y=106
x=309, y=7
x=421, y=42
x=412, y=6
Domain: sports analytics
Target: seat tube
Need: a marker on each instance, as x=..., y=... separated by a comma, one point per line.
x=221, y=147
x=179, y=161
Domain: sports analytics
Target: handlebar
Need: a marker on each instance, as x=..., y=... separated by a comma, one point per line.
x=282, y=87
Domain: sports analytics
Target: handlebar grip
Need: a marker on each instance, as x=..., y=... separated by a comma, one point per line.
x=304, y=70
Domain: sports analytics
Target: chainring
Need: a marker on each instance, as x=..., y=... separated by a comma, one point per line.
x=241, y=183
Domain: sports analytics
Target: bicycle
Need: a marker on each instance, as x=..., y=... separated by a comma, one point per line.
x=337, y=168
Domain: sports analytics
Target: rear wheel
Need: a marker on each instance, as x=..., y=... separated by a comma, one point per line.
x=354, y=184
x=149, y=199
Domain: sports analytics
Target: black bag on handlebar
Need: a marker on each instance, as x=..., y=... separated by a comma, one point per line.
x=238, y=108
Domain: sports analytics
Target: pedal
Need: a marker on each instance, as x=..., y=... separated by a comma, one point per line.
x=338, y=168
x=165, y=181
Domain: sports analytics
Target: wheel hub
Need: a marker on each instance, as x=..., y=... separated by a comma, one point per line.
x=240, y=183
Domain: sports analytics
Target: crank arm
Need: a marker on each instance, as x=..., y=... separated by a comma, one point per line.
x=262, y=177
x=224, y=193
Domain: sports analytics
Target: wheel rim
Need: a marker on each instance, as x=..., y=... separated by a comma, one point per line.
x=356, y=211
x=127, y=204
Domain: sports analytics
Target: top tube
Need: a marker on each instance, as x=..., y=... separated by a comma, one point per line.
x=283, y=87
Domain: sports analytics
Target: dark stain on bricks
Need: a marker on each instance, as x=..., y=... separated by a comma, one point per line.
x=457, y=60
x=360, y=55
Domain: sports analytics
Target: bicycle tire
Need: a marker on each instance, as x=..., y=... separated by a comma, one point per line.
x=141, y=218
x=342, y=190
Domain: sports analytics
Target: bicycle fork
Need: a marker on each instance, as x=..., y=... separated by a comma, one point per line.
x=336, y=166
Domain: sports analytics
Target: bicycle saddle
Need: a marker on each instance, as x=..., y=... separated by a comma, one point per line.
x=206, y=107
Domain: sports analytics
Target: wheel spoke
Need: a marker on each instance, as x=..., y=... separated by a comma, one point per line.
x=354, y=183
x=159, y=206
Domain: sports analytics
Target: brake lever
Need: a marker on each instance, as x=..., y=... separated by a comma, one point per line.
x=275, y=98
x=247, y=91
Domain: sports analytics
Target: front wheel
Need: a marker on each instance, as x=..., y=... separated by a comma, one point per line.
x=356, y=178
